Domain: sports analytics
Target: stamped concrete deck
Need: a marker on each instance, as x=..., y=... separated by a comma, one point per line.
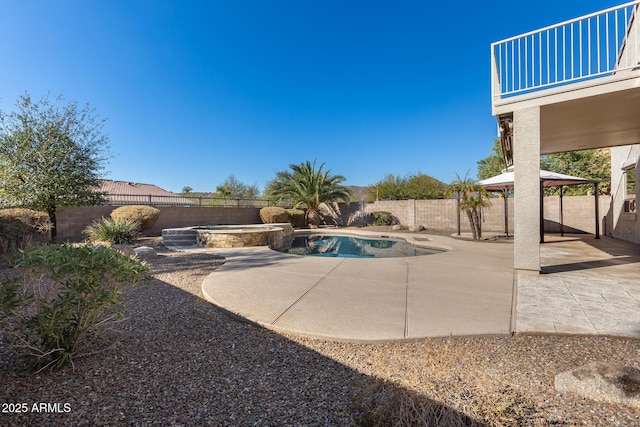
x=588, y=287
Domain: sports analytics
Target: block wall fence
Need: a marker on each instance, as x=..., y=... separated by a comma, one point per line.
x=579, y=215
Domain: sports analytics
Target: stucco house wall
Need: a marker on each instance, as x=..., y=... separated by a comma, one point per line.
x=626, y=225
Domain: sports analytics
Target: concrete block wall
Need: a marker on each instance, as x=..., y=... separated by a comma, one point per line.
x=73, y=220
x=433, y=214
x=578, y=213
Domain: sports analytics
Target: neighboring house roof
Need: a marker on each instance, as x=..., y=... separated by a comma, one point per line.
x=130, y=193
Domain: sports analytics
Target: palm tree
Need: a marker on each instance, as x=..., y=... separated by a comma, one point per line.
x=473, y=198
x=225, y=191
x=308, y=188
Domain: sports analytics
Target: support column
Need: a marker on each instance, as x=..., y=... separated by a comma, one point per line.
x=526, y=161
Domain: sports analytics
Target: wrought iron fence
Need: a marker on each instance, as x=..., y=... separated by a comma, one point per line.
x=188, y=201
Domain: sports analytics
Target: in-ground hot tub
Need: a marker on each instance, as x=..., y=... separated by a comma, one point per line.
x=276, y=236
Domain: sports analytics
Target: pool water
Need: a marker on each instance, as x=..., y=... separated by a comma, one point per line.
x=355, y=247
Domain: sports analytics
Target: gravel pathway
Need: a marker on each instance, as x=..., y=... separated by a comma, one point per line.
x=179, y=360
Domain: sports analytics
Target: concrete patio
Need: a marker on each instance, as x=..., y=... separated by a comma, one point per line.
x=588, y=287
x=467, y=290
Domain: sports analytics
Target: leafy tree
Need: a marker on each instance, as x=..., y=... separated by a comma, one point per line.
x=51, y=156
x=493, y=164
x=308, y=187
x=233, y=188
x=187, y=190
x=591, y=164
x=473, y=198
x=413, y=186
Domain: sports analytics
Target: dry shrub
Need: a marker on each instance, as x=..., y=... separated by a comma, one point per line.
x=442, y=391
x=387, y=404
x=273, y=215
x=145, y=216
x=296, y=217
x=22, y=229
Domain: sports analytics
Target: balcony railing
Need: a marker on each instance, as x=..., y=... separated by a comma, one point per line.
x=593, y=46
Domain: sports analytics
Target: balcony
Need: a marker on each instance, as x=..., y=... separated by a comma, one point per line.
x=583, y=74
x=596, y=53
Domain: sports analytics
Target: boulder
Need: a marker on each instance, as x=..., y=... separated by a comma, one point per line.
x=396, y=227
x=416, y=227
x=602, y=381
x=125, y=249
x=145, y=252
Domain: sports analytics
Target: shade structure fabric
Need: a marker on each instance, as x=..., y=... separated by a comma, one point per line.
x=505, y=180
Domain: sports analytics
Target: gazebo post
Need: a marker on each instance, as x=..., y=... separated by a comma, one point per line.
x=561, y=214
x=505, y=192
x=458, y=210
x=541, y=211
x=595, y=184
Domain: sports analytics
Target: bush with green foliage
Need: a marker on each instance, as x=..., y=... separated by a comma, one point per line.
x=417, y=186
x=23, y=229
x=273, y=215
x=68, y=296
x=145, y=216
x=382, y=218
x=117, y=231
x=296, y=217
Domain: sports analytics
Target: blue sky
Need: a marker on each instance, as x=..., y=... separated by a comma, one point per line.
x=194, y=91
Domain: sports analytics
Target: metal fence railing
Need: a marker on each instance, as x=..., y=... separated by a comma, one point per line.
x=187, y=201
x=592, y=46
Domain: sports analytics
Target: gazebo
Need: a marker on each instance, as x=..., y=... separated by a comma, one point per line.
x=504, y=183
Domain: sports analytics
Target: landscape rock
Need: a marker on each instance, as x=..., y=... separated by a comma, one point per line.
x=602, y=381
x=145, y=252
x=125, y=249
x=416, y=227
x=397, y=227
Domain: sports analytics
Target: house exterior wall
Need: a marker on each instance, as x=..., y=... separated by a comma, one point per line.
x=625, y=225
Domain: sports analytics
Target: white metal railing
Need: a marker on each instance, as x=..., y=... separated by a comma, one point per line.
x=592, y=46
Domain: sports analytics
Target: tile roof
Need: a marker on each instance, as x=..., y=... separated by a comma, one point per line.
x=128, y=193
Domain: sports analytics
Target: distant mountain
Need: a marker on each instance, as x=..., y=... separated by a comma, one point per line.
x=358, y=193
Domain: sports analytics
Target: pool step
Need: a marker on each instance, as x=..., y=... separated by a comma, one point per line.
x=179, y=237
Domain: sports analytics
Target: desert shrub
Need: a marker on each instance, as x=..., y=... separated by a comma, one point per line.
x=145, y=216
x=22, y=229
x=117, y=231
x=382, y=218
x=67, y=296
x=296, y=217
x=274, y=214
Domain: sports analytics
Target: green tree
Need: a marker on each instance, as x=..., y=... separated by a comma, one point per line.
x=493, y=164
x=186, y=189
x=51, y=156
x=308, y=187
x=590, y=164
x=412, y=186
x=234, y=188
x=473, y=198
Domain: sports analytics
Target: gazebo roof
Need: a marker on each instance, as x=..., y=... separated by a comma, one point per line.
x=549, y=179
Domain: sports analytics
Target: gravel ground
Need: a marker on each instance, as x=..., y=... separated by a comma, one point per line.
x=178, y=360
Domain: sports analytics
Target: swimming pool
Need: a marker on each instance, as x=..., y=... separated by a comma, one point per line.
x=356, y=247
